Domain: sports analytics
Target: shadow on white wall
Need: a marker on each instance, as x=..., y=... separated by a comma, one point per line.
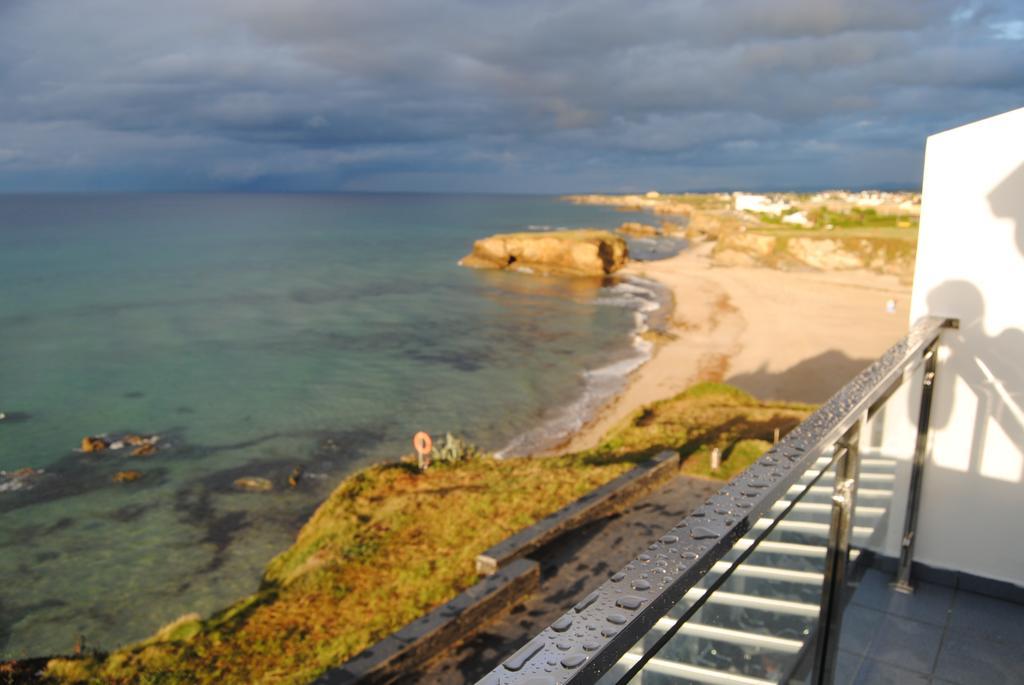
x=988, y=364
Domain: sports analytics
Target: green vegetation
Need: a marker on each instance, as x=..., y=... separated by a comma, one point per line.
x=453, y=450
x=701, y=200
x=856, y=223
x=391, y=543
x=859, y=217
x=702, y=418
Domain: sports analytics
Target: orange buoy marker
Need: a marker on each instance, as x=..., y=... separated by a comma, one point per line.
x=423, y=444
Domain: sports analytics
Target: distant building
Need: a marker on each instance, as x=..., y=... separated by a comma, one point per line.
x=763, y=204
x=798, y=219
x=652, y=195
x=867, y=199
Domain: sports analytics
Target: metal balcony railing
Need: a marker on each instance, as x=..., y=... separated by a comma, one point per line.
x=750, y=588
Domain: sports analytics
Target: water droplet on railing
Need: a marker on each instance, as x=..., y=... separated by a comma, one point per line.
x=561, y=625
x=628, y=602
x=617, y=619
x=591, y=646
x=670, y=539
x=586, y=601
x=618, y=577
x=519, y=659
x=689, y=555
x=644, y=557
x=641, y=585
x=702, y=533
x=573, y=660
x=609, y=632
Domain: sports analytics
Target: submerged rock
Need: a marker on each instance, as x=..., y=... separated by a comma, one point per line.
x=295, y=476
x=127, y=476
x=638, y=229
x=94, y=444
x=138, y=440
x=254, y=484
x=144, y=450
x=580, y=253
x=20, y=479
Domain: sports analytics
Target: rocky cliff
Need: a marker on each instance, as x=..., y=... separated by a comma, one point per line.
x=580, y=253
x=635, y=228
x=780, y=250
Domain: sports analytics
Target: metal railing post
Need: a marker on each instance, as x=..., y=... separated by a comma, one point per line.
x=902, y=582
x=830, y=618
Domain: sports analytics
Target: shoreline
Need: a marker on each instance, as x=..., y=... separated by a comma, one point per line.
x=780, y=335
x=652, y=305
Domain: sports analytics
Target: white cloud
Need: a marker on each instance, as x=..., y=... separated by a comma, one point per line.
x=1008, y=30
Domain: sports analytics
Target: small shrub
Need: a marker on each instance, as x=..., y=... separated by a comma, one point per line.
x=454, y=450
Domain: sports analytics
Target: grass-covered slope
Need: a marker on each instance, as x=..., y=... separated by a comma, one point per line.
x=389, y=544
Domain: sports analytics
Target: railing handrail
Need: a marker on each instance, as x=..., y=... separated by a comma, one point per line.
x=591, y=637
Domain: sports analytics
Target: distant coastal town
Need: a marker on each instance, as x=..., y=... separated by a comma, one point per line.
x=829, y=231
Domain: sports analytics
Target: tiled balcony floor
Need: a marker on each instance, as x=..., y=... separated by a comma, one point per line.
x=936, y=635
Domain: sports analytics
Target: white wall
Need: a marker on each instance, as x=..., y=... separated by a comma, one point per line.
x=970, y=265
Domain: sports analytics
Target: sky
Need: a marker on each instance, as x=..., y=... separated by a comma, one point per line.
x=489, y=96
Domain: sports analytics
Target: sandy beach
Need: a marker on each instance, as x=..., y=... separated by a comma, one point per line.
x=776, y=334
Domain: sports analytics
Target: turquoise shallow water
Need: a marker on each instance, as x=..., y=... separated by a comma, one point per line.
x=255, y=334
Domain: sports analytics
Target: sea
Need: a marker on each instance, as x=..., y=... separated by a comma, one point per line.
x=257, y=334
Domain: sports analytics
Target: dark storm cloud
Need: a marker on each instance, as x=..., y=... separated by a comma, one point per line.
x=321, y=94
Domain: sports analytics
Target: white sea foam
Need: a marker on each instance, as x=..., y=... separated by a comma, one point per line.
x=602, y=383
x=11, y=485
x=635, y=293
